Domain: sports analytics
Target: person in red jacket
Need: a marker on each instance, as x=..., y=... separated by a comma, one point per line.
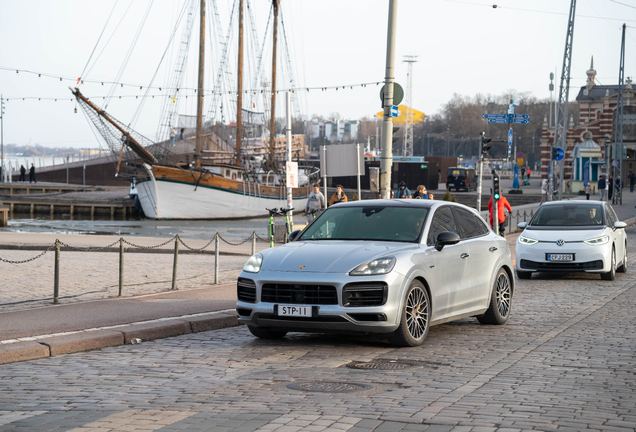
x=502, y=205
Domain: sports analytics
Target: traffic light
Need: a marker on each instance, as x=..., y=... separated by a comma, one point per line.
x=396, y=135
x=496, y=189
x=484, y=141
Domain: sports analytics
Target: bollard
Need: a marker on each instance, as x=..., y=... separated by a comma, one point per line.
x=216, y=258
x=174, y=265
x=56, y=282
x=121, y=266
x=253, y=242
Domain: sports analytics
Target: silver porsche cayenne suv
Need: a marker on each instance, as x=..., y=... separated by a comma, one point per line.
x=394, y=267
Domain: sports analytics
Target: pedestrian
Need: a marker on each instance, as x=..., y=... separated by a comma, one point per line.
x=32, y=174
x=502, y=206
x=402, y=191
x=528, y=174
x=181, y=136
x=632, y=180
x=522, y=172
x=173, y=133
x=544, y=191
x=610, y=187
x=22, y=173
x=338, y=197
x=420, y=193
x=601, y=188
x=315, y=203
x=588, y=191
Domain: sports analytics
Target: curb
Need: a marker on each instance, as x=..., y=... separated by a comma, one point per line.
x=115, y=336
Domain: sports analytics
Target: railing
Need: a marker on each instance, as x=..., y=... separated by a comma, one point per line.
x=526, y=218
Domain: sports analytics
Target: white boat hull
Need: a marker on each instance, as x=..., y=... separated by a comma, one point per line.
x=162, y=199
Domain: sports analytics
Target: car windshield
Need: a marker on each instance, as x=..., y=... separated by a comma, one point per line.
x=568, y=215
x=402, y=224
x=456, y=172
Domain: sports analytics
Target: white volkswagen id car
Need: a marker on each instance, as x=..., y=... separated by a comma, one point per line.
x=572, y=236
x=394, y=267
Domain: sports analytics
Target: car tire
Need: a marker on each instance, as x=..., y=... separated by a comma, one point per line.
x=415, y=318
x=623, y=267
x=500, y=301
x=265, y=333
x=611, y=275
x=524, y=274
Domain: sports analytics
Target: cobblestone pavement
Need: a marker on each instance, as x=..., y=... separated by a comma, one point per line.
x=565, y=361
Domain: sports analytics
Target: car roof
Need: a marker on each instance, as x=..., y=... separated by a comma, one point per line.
x=416, y=203
x=577, y=202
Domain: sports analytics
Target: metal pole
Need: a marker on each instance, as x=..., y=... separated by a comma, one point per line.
x=2, y=173
x=290, y=198
x=386, y=157
x=174, y=263
x=121, y=266
x=216, y=258
x=324, y=171
x=253, y=243
x=56, y=277
x=481, y=172
x=272, y=127
x=200, y=84
x=358, y=162
x=239, y=100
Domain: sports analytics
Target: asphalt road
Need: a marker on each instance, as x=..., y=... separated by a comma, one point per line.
x=565, y=361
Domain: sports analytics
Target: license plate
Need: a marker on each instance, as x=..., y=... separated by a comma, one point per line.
x=560, y=257
x=297, y=311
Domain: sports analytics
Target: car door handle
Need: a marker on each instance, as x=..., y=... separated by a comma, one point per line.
x=464, y=255
x=492, y=249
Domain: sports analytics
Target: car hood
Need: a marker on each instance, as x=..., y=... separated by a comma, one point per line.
x=565, y=235
x=327, y=256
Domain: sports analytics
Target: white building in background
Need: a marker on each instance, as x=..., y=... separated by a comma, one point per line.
x=334, y=130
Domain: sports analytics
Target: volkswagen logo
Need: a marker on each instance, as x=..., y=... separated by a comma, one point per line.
x=560, y=242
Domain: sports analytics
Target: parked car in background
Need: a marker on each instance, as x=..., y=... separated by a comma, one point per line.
x=572, y=236
x=461, y=178
x=392, y=267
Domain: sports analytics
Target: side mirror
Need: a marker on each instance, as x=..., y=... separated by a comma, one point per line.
x=292, y=236
x=619, y=224
x=522, y=225
x=446, y=238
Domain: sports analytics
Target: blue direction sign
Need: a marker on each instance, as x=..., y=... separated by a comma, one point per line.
x=509, y=141
x=494, y=116
x=560, y=154
x=394, y=111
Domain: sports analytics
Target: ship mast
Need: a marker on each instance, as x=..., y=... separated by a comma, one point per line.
x=273, y=110
x=199, y=144
x=239, y=102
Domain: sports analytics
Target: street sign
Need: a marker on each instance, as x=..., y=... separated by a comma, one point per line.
x=497, y=120
x=514, y=102
x=516, y=121
x=521, y=116
x=489, y=116
x=509, y=138
x=398, y=94
x=424, y=166
x=394, y=111
x=560, y=154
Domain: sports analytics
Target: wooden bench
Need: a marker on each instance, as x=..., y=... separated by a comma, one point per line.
x=4, y=217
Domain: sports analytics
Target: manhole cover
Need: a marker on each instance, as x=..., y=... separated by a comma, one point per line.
x=330, y=387
x=385, y=365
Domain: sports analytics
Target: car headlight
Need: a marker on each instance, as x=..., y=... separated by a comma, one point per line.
x=253, y=265
x=597, y=241
x=376, y=267
x=527, y=241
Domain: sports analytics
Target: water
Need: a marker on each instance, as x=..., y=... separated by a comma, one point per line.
x=232, y=230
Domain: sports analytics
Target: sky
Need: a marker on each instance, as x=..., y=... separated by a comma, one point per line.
x=464, y=47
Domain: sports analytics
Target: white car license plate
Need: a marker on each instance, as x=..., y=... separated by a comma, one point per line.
x=298, y=311
x=560, y=257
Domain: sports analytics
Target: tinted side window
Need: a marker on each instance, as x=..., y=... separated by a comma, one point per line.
x=470, y=224
x=443, y=220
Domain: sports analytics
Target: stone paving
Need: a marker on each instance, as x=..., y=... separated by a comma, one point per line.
x=565, y=361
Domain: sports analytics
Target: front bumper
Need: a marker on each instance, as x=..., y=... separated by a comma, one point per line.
x=325, y=317
x=591, y=259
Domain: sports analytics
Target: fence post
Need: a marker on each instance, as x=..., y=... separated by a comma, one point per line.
x=56, y=280
x=216, y=258
x=121, y=266
x=253, y=242
x=174, y=265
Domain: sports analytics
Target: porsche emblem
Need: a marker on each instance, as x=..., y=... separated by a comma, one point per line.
x=302, y=267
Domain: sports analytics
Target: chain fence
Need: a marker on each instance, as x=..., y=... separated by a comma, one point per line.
x=526, y=218
x=58, y=245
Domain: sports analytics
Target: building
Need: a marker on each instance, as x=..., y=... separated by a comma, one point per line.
x=589, y=138
x=334, y=131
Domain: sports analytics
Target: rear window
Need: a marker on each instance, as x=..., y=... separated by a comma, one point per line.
x=456, y=172
x=568, y=215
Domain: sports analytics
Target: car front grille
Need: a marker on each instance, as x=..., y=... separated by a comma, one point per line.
x=561, y=266
x=246, y=290
x=323, y=318
x=361, y=294
x=299, y=294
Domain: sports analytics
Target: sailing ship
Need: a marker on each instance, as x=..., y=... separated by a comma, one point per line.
x=239, y=183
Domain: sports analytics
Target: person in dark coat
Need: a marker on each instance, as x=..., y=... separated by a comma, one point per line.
x=610, y=188
x=32, y=174
x=22, y=173
x=632, y=180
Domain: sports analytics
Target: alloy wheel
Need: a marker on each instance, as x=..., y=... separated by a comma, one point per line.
x=503, y=295
x=417, y=312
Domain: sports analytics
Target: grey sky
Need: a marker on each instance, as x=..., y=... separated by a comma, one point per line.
x=464, y=47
